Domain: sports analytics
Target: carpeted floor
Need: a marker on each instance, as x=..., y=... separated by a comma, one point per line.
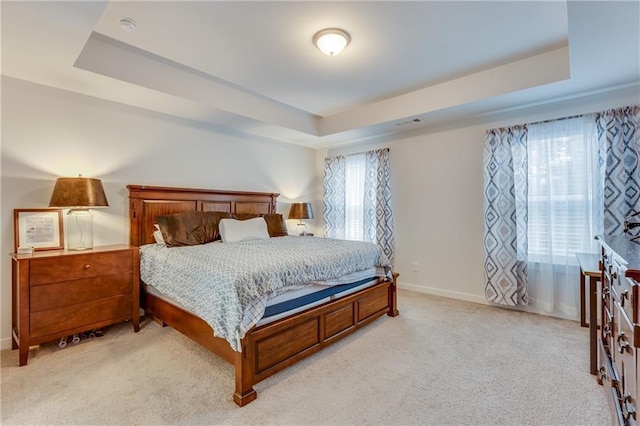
x=441, y=361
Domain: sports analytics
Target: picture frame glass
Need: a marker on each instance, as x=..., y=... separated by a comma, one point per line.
x=40, y=229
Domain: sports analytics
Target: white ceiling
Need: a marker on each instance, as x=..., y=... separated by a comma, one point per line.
x=250, y=67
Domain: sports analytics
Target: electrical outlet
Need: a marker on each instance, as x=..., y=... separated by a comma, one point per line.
x=416, y=266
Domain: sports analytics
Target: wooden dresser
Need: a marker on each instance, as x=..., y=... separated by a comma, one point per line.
x=619, y=336
x=59, y=293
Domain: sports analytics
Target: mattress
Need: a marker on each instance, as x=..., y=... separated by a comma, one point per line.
x=228, y=284
x=292, y=301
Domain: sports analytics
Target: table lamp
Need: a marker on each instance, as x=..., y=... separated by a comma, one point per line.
x=79, y=194
x=301, y=211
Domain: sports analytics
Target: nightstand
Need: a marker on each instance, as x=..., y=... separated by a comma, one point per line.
x=58, y=293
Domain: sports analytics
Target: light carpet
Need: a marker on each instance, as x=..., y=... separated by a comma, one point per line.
x=442, y=361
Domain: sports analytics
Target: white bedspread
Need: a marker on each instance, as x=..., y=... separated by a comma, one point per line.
x=228, y=284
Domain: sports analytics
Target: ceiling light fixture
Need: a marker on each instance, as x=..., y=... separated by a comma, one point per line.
x=331, y=41
x=127, y=24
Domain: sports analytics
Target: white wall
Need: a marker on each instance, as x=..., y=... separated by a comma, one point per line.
x=49, y=133
x=437, y=194
x=436, y=174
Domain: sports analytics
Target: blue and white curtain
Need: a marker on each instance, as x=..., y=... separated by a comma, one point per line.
x=335, y=197
x=357, y=199
x=549, y=188
x=505, y=215
x=619, y=132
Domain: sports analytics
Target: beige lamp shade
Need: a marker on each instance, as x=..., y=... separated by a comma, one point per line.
x=78, y=192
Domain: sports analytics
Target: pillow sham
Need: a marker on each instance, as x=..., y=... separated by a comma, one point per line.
x=232, y=230
x=276, y=226
x=190, y=228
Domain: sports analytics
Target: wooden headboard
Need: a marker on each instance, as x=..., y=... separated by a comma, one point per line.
x=148, y=202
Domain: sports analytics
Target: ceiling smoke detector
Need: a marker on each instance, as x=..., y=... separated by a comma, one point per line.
x=127, y=24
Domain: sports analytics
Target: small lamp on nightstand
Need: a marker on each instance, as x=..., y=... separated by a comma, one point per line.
x=301, y=211
x=79, y=194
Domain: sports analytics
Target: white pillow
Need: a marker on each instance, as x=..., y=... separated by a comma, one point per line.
x=232, y=230
x=157, y=235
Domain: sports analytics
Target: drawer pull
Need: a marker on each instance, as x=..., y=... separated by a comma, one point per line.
x=605, y=293
x=614, y=275
x=602, y=373
x=623, y=296
x=87, y=266
x=622, y=343
x=606, y=330
x=627, y=410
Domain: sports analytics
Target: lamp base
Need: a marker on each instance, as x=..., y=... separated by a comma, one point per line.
x=79, y=229
x=301, y=229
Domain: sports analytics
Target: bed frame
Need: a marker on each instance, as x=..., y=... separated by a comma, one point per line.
x=269, y=348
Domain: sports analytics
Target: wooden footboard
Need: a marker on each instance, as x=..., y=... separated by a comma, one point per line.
x=270, y=348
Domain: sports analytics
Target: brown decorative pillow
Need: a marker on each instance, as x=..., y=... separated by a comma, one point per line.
x=275, y=222
x=276, y=225
x=190, y=228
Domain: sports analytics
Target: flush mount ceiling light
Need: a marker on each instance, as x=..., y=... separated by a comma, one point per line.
x=127, y=24
x=331, y=41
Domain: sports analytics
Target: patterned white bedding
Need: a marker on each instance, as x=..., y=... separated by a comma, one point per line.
x=228, y=284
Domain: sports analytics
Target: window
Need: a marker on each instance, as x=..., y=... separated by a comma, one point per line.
x=561, y=196
x=354, y=196
x=357, y=198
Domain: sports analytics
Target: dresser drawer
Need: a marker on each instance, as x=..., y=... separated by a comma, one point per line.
x=51, y=270
x=625, y=361
x=606, y=373
x=625, y=294
x=607, y=330
x=613, y=398
x=623, y=336
x=55, y=320
x=78, y=291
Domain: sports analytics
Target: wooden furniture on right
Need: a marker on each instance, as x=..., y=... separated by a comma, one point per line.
x=619, y=337
x=265, y=349
x=57, y=293
x=589, y=267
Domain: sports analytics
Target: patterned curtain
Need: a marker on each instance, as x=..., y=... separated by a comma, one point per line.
x=370, y=213
x=619, y=131
x=378, y=217
x=505, y=215
x=334, y=197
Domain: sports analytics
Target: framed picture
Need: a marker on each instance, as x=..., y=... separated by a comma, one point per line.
x=41, y=229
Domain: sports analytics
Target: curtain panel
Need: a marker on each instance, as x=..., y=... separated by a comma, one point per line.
x=619, y=132
x=357, y=198
x=378, y=215
x=334, y=197
x=505, y=215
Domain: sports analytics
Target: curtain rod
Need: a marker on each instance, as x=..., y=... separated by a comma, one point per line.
x=556, y=119
x=634, y=106
x=359, y=153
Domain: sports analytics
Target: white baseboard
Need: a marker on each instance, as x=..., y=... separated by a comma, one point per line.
x=444, y=293
x=5, y=343
x=481, y=299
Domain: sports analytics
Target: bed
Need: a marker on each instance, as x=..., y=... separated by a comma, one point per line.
x=270, y=346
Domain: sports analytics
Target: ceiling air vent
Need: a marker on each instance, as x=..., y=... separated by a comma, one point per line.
x=404, y=123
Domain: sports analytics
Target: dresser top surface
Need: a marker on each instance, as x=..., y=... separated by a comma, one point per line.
x=626, y=249
x=56, y=253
